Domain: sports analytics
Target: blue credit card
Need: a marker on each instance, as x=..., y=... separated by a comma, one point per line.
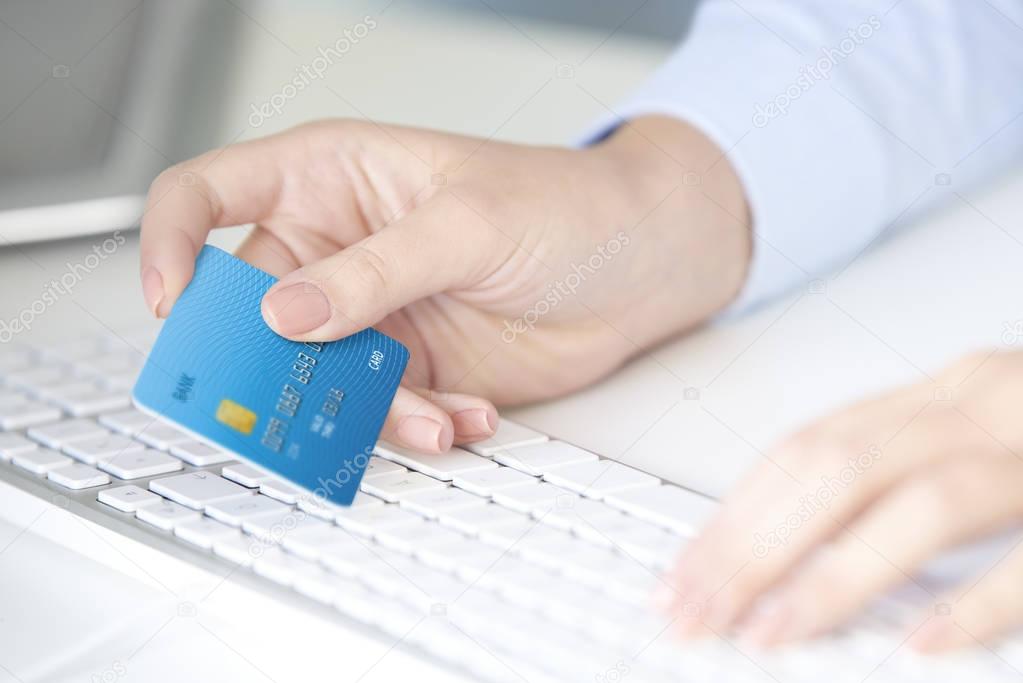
x=307, y=412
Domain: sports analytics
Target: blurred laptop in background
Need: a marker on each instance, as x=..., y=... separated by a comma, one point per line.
x=95, y=97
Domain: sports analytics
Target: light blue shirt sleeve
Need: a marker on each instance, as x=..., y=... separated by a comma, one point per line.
x=844, y=119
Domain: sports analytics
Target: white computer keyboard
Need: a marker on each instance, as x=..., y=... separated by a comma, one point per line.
x=520, y=558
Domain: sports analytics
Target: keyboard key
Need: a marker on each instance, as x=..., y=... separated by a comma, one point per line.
x=204, y=532
x=161, y=435
x=326, y=540
x=109, y=364
x=279, y=566
x=611, y=621
x=129, y=422
x=77, y=476
x=350, y=556
x=596, y=479
x=41, y=460
x=645, y=542
x=273, y=527
x=406, y=538
x=35, y=379
x=198, y=454
x=60, y=433
x=428, y=587
x=197, y=489
x=433, y=502
x=378, y=466
x=138, y=464
x=27, y=414
x=323, y=510
x=128, y=498
x=239, y=549
x=97, y=448
x=308, y=540
x=580, y=515
x=509, y=435
x=506, y=536
x=166, y=515
x=12, y=444
x=565, y=553
x=389, y=572
x=246, y=475
x=535, y=499
x=468, y=557
x=282, y=491
x=9, y=398
x=358, y=602
x=315, y=582
x=443, y=466
x=75, y=349
x=392, y=487
x=541, y=458
x=484, y=483
x=123, y=381
x=65, y=388
x=629, y=581
x=669, y=506
x=92, y=401
x=476, y=609
x=237, y=510
x=366, y=521
x=519, y=581
x=13, y=359
x=361, y=500
x=473, y=520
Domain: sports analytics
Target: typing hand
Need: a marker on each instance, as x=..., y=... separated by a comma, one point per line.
x=511, y=273
x=855, y=504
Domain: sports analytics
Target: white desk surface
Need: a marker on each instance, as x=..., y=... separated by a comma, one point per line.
x=943, y=287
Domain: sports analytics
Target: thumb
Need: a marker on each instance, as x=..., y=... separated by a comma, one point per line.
x=420, y=255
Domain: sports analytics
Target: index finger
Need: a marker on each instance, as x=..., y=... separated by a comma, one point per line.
x=228, y=186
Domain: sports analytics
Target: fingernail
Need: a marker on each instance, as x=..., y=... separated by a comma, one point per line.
x=475, y=421
x=152, y=289
x=767, y=625
x=297, y=308
x=421, y=433
x=720, y=612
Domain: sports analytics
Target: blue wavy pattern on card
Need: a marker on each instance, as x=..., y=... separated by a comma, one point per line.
x=215, y=345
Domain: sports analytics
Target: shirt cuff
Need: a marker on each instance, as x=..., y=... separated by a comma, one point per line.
x=811, y=165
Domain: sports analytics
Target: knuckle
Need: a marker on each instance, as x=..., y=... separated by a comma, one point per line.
x=329, y=127
x=167, y=178
x=374, y=276
x=818, y=448
x=372, y=268
x=748, y=583
x=828, y=573
x=931, y=499
x=187, y=175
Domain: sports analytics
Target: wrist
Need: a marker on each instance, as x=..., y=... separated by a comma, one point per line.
x=683, y=206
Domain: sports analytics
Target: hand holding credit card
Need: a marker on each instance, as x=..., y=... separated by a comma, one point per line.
x=307, y=412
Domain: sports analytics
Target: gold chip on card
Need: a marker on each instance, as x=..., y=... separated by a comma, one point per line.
x=236, y=416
